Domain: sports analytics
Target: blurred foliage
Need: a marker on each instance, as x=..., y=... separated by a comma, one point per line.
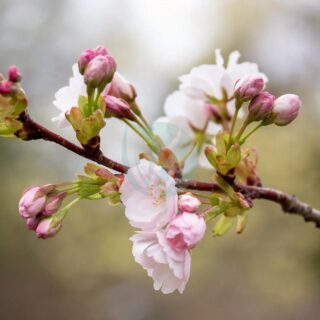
x=87, y=272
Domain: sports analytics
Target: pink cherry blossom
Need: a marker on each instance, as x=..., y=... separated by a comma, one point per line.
x=185, y=231
x=169, y=269
x=149, y=195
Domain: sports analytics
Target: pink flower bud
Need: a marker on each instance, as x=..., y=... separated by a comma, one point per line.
x=188, y=203
x=118, y=108
x=32, y=223
x=261, y=106
x=88, y=55
x=249, y=86
x=101, y=51
x=46, y=230
x=33, y=200
x=6, y=87
x=185, y=231
x=14, y=74
x=286, y=109
x=53, y=203
x=99, y=71
x=120, y=87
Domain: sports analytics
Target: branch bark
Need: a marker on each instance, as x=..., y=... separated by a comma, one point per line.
x=289, y=203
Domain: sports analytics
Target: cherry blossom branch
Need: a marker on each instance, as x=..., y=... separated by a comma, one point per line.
x=289, y=203
x=37, y=131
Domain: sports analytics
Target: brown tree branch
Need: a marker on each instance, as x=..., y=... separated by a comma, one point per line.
x=39, y=132
x=289, y=203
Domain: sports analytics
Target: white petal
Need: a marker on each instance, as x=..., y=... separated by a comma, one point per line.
x=233, y=59
x=219, y=58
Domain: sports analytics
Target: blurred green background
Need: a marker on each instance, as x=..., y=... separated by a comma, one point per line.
x=272, y=271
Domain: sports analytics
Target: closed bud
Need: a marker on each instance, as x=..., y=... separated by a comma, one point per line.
x=261, y=106
x=33, y=200
x=248, y=87
x=6, y=87
x=188, y=203
x=99, y=71
x=88, y=55
x=120, y=87
x=14, y=74
x=47, y=228
x=185, y=231
x=32, y=223
x=53, y=203
x=286, y=109
x=118, y=108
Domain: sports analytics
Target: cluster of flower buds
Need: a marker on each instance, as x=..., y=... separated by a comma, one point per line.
x=221, y=157
x=97, y=67
x=13, y=102
x=264, y=106
x=38, y=207
x=186, y=230
x=232, y=205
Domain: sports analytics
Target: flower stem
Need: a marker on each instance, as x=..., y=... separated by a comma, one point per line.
x=242, y=129
x=142, y=136
x=189, y=153
x=234, y=120
x=250, y=133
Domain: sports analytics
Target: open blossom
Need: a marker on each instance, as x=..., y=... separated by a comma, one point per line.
x=169, y=268
x=67, y=97
x=211, y=80
x=185, y=231
x=149, y=195
x=192, y=107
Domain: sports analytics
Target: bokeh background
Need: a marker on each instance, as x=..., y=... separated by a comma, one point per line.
x=272, y=271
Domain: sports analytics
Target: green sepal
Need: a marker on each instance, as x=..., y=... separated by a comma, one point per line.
x=84, y=106
x=234, y=155
x=223, y=225
x=242, y=220
x=221, y=143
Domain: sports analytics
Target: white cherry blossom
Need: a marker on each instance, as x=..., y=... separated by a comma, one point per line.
x=67, y=97
x=149, y=195
x=210, y=80
x=169, y=269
